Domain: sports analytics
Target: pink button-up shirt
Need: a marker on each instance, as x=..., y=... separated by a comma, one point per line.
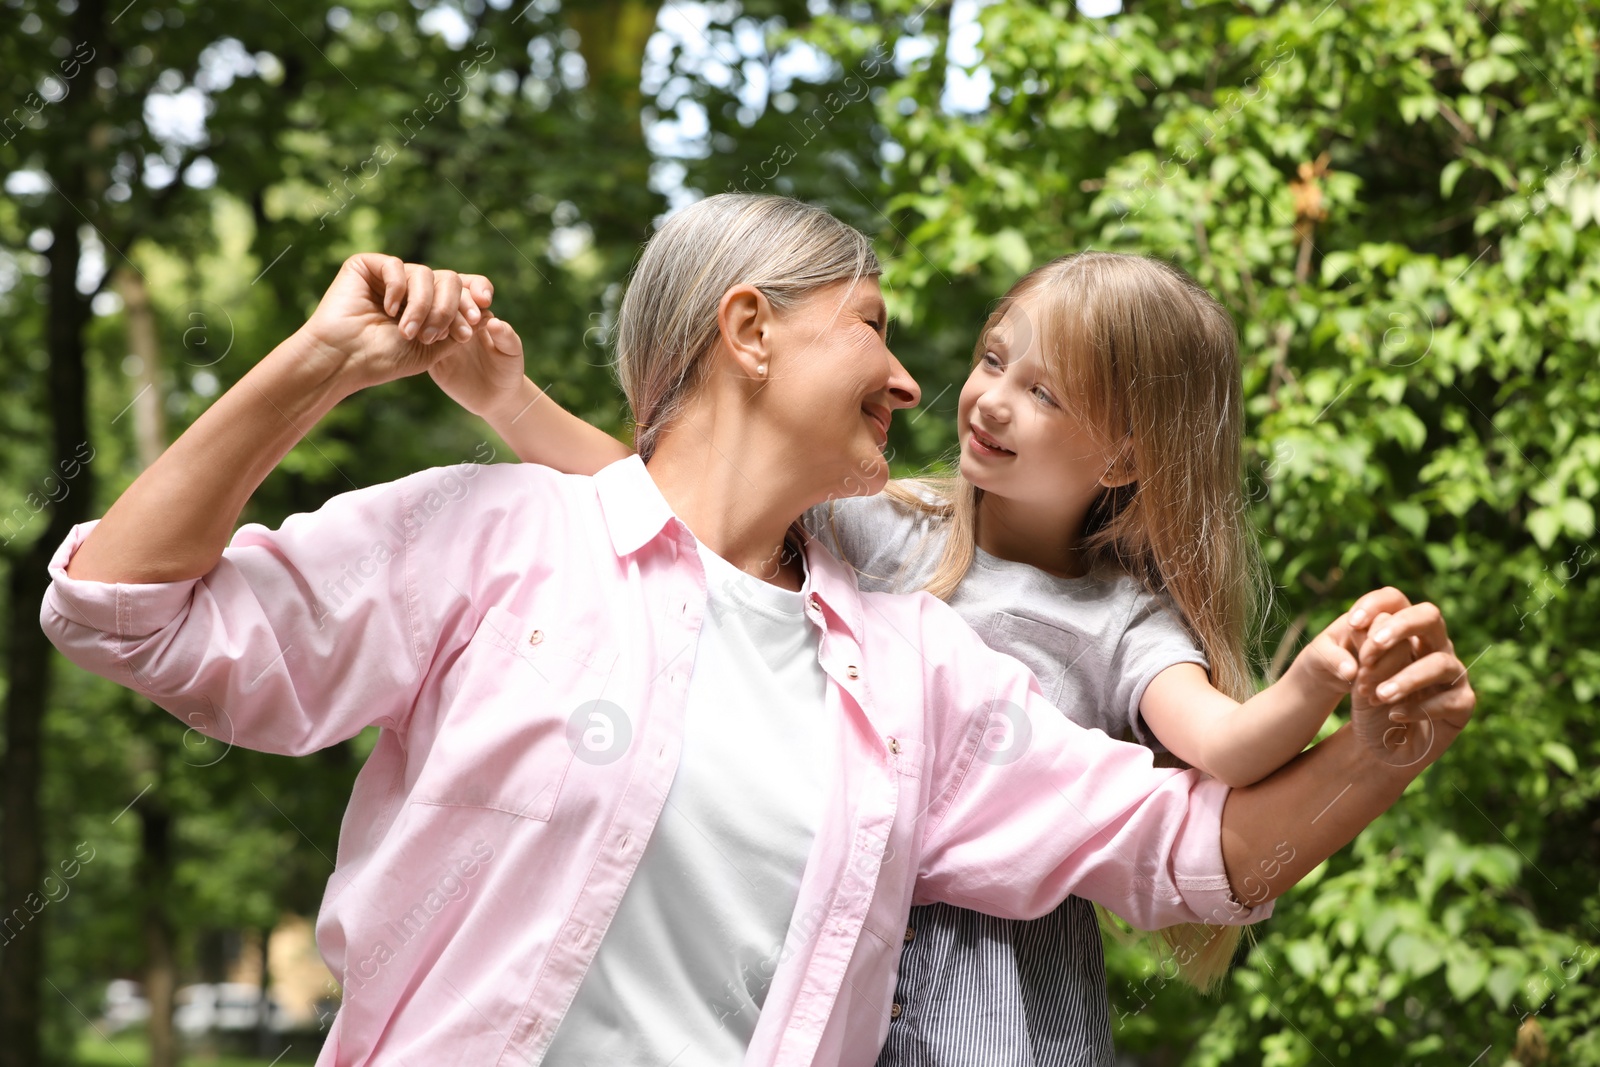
x=477, y=614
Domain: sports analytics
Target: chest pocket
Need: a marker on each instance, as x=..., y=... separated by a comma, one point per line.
x=1049, y=651
x=507, y=741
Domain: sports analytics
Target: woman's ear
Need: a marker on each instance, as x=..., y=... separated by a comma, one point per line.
x=744, y=320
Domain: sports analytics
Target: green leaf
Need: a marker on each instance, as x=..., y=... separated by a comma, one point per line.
x=1502, y=984
x=1407, y=429
x=1413, y=108
x=1577, y=516
x=1308, y=958
x=1466, y=974
x=1415, y=955
x=1102, y=113
x=1011, y=248
x=1544, y=524
x=1560, y=755
x=1481, y=73
x=1379, y=927
x=1413, y=517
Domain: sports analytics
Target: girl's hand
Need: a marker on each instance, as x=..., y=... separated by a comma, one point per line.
x=383, y=319
x=1326, y=668
x=485, y=375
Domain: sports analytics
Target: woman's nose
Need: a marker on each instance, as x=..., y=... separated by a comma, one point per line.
x=904, y=391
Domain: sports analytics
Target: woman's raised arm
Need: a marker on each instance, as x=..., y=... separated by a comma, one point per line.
x=381, y=319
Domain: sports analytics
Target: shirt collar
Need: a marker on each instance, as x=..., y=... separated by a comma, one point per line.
x=634, y=509
x=636, y=513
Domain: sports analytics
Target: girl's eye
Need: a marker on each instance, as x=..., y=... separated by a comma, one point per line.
x=1045, y=397
x=991, y=360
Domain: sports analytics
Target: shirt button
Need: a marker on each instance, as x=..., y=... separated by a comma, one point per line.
x=894, y=1011
x=910, y=933
x=535, y=637
x=852, y=671
x=813, y=601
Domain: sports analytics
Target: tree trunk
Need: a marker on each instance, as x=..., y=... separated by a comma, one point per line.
x=266, y=1038
x=149, y=433
x=160, y=971
x=29, y=655
x=149, y=398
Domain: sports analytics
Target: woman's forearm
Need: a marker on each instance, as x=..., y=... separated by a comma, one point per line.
x=1276, y=831
x=541, y=431
x=174, y=521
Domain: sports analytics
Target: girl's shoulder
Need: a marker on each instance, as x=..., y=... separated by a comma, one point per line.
x=879, y=534
x=1147, y=617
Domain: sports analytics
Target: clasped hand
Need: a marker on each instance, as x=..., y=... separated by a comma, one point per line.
x=1402, y=671
x=383, y=319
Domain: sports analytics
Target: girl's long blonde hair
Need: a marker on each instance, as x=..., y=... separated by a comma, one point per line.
x=1149, y=361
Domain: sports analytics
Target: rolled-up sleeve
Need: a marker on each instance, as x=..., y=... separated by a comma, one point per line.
x=1036, y=808
x=299, y=637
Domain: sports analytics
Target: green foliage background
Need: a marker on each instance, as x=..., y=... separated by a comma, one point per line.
x=1419, y=346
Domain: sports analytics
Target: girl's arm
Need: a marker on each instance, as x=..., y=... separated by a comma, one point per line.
x=490, y=383
x=541, y=431
x=1240, y=744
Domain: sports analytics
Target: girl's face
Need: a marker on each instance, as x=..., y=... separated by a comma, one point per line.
x=834, y=383
x=1020, y=438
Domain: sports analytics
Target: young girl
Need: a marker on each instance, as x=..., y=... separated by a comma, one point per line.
x=1095, y=531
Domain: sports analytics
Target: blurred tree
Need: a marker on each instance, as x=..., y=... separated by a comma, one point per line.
x=469, y=136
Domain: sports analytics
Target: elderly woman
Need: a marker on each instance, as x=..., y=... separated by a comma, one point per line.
x=655, y=782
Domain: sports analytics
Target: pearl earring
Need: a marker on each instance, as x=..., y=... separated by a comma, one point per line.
x=761, y=368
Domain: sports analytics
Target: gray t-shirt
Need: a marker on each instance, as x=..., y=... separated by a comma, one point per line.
x=1094, y=643
x=974, y=990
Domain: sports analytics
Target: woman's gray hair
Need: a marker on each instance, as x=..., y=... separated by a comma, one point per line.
x=667, y=326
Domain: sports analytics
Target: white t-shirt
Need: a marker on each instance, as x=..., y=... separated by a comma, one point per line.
x=685, y=965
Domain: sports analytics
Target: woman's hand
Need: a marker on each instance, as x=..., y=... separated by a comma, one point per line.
x=1396, y=661
x=383, y=319
x=1411, y=688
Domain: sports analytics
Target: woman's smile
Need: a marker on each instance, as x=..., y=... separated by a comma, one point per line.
x=878, y=416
